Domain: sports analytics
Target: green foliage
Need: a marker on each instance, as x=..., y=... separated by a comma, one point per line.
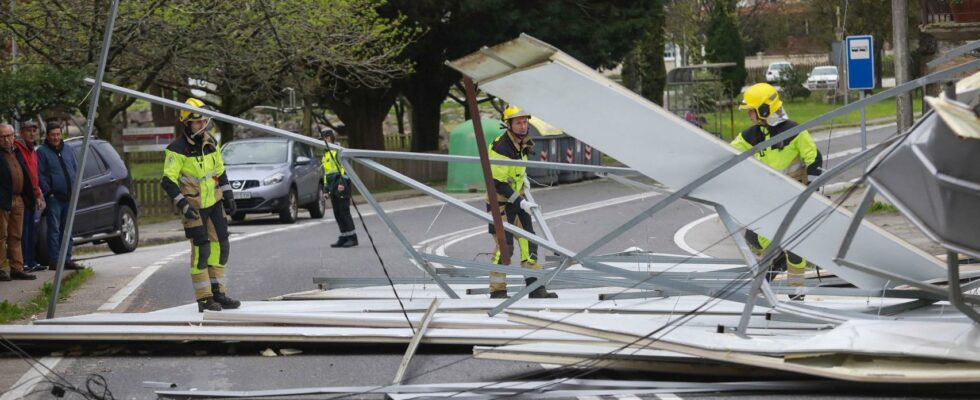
x=792, y=84
x=684, y=24
x=878, y=207
x=14, y=312
x=708, y=90
x=724, y=44
x=32, y=89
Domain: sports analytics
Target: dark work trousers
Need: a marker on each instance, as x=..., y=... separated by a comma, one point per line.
x=29, y=236
x=341, y=212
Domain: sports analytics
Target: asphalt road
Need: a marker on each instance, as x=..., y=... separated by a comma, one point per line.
x=269, y=259
x=275, y=263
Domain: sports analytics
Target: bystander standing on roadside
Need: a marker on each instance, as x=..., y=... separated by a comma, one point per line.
x=56, y=168
x=16, y=195
x=26, y=146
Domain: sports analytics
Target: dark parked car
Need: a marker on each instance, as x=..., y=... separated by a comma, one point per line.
x=274, y=175
x=107, y=208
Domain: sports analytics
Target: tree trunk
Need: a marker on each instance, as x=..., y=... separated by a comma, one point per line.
x=426, y=117
x=162, y=116
x=879, y=56
x=363, y=112
x=103, y=125
x=307, y=115
x=400, y=115
x=654, y=72
x=631, y=70
x=900, y=27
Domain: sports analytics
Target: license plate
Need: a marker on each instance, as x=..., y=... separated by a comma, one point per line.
x=243, y=195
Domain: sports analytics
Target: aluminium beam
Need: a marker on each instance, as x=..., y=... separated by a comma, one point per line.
x=93, y=106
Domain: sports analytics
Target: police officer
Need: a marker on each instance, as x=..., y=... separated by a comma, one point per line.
x=796, y=156
x=511, y=183
x=336, y=185
x=194, y=178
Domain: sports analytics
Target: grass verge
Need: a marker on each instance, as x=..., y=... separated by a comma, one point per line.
x=803, y=110
x=878, y=207
x=16, y=312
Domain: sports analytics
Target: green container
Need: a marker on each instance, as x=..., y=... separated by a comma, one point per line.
x=468, y=177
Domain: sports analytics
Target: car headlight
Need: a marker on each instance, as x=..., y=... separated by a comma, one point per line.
x=273, y=179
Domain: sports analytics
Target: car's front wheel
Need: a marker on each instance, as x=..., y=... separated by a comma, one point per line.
x=290, y=213
x=319, y=207
x=129, y=233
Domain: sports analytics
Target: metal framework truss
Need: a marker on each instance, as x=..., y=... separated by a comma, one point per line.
x=746, y=285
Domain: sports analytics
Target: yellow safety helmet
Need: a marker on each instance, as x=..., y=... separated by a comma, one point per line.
x=513, y=112
x=186, y=116
x=763, y=98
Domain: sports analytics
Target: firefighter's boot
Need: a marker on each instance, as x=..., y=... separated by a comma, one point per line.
x=208, y=303
x=499, y=294
x=540, y=292
x=217, y=274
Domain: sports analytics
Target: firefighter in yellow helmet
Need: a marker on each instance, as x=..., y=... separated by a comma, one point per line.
x=796, y=156
x=194, y=178
x=511, y=183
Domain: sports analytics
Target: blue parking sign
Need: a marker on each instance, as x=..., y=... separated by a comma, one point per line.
x=860, y=62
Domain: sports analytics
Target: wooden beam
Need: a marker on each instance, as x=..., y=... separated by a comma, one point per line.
x=414, y=344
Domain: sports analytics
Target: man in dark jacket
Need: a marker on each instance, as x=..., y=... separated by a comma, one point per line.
x=28, y=150
x=56, y=174
x=16, y=194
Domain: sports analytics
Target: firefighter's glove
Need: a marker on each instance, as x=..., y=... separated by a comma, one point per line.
x=189, y=211
x=228, y=201
x=528, y=205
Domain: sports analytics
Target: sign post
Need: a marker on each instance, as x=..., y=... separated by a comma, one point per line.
x=861, y=73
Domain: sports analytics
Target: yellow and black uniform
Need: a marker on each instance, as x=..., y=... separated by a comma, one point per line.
x=796, y=156
x=334, y=177
x=509, y=182
x=194, y=178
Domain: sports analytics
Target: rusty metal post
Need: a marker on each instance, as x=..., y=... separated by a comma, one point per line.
x=481, y=146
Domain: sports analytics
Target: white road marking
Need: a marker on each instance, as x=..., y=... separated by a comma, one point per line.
x=27, y=382
x=668, y=396
x=680, y=237
x=137, y=281
x=464, y=234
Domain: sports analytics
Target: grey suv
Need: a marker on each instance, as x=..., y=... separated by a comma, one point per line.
x=274, y=175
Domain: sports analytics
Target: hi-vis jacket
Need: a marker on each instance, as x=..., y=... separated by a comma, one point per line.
x=194, y=171
x=333, y=174
x=509, y=179
x=794, y=156
x=331, y=165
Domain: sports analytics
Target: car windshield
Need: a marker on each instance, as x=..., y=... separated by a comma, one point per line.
x=246, y=153
x=824, y=71
x=779, y=67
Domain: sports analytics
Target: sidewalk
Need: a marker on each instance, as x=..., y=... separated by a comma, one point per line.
x=20, y=292
x=711, y=238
